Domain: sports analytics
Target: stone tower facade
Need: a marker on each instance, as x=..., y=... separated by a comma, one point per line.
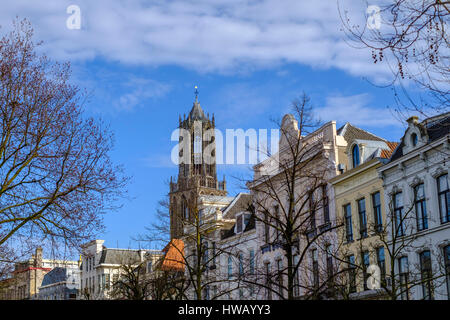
x=197, y=173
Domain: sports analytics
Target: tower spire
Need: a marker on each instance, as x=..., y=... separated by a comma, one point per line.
x=196, y=93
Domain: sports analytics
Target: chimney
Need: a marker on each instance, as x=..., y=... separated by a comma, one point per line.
x=38, y=258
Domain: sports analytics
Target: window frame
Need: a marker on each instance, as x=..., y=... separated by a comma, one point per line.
x=356, y=158
x=378, y=217
x=446, y=251
x=398, y=214
x=365, y=262
x=348, y=222
x=362, y=218
x=420, y=206
x=426, y=275
x=403, y=272
x=351, y=273
x=446, y=195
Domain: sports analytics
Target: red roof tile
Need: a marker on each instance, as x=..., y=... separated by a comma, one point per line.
x=387, y=153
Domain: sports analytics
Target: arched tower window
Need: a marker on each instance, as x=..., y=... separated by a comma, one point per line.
x=198, y=144
x=355, y=156
x=184, y=208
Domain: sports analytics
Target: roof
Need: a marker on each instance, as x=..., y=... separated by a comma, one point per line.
x=173, y=259
x=350, y=133
x=435, y=127
x=386, y=154
x=241, y=202
x=197, y=112
x=249, y=226
x=216, y=199
x=119, y=256
x=56, y=275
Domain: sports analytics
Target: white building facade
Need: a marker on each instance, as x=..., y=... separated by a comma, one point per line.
x=101, y=267
x=416, y=185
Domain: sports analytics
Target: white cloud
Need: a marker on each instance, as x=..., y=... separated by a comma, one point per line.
x=138, y=90
x=356, y=110
x=207, y=35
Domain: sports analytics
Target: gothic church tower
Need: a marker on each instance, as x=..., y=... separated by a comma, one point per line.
x=197, y=173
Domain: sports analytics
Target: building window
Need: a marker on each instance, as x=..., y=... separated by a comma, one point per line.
x=252, y=261
x=325, y=204
x=351, y=273
x=268, y=282
x=206, y=293
x=241, y=264
x=252, y=290
x=362, y=218
x=312, y=210
x=149, y=266
x=230, y=267
x=103, y=281
x=315, y=268
x=376, y=201
x=197, y=144
x=348, y=222
x=184, y=208
x=355, y=156
x=421, y=207
x=278, y=225
x=381, y=261
x=239, y=223
x=447, y=268
x=404, y=274
x=204, y=253
x=280, y=276
x=330, y=271
x=214, y=253
x=214, y=292
x=266, y=227
x=365, y=264
x=295, y=271
x=426, y=274
x=398, y=214
x=414, y=139
x=115, y=279
x=444, y=198
x=107, y=281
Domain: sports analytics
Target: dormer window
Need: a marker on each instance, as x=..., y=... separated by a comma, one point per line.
x=241, y=222
x=355, y=156
x=414, y=139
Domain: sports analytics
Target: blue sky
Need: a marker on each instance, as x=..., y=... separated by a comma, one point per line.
x=250, y=59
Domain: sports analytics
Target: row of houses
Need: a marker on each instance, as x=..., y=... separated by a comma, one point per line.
x=92, y=277
x=357, y=206
x=337, y=213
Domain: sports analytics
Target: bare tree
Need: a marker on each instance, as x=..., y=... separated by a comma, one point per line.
x=399, y=236
x=132, y=283
x=287, y=202
x=412, y=39
x=56, y=177
x=200, y=254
